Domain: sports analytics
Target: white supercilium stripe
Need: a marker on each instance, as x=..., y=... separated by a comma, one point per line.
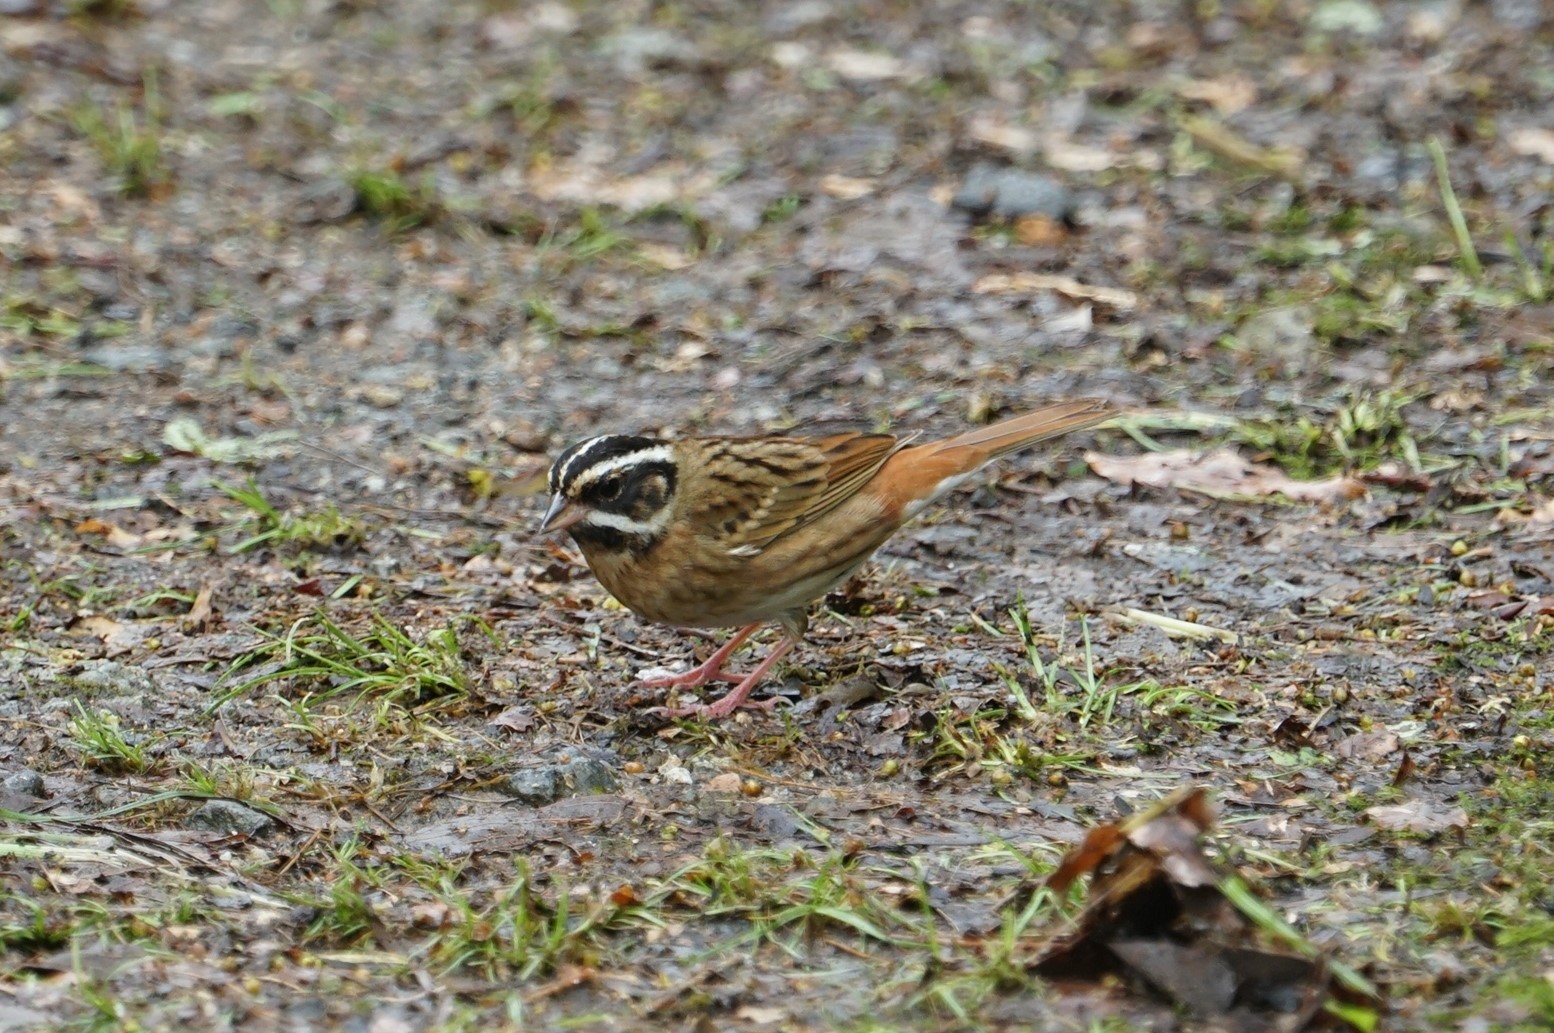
x=656, y=454
x=577, y=454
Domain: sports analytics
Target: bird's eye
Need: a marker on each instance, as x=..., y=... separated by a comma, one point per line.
x=610, y=488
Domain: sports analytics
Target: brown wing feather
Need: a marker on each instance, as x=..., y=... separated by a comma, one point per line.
x=852, y=461
x=759, y=489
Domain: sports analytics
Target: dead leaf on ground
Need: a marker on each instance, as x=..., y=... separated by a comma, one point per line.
x=516, y=719
x=1418, y=816
x=1221, y=473
x=1367, y=745
x=1159, y=911
x=1542, y=513
x=117, y=637
x=1533, y=141
x=567, y=977
x=116, y=535
x=202, y=615
x=1030, y=283
x=1227, y=94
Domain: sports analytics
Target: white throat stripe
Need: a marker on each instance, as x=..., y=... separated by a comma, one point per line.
x=626, y=525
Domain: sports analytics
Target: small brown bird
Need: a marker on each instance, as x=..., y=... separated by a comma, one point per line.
x=723, y=532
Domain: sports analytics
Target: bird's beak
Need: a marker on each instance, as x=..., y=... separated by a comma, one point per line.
x=561, y=515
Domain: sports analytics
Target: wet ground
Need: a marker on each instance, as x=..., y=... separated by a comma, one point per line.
x=302, y=727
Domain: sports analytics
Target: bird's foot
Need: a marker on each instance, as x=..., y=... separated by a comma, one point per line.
x=701, y=674
x=738, y=696
x=718, y=709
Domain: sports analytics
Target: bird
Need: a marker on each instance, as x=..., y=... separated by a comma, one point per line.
x=739, y=532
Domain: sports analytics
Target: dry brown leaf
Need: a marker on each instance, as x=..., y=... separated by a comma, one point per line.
x=1534, y=142
x=1099, y=844
x=1227, y=94
x=202, y=616
x=1039, y=231
x=117, y=638
x=1014, y=139
x=727, y=782
x=1542, y=513
x=517, y=719
x=1029, y=283
x=868, y=65
x=1158, y=910
x=1367, y=745
x=1418, y=816
x=1220, y=473
x=761, y=1015
x=567, y=977
x=116, y=535
x=846, y=188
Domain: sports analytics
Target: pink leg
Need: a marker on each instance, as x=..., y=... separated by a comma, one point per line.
x=736, y=696
x=712, y=670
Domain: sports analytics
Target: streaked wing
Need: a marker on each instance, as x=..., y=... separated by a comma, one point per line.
x=760, y=489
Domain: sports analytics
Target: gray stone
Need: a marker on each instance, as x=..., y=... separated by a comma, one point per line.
x=572, y=771
x=23, y=783
x=109, y=677
x=1012, y=193
x=637, y=50
x=229, y=817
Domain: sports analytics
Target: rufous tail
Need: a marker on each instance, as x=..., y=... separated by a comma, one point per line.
x=1022, y=431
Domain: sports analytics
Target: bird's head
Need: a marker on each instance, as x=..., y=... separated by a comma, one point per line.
x=613, y=491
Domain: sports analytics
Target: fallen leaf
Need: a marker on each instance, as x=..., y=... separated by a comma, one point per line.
x=1542, y=513
x=117, y=638
x=116, y=535
x=202, y=616
x=726, y=782
x=1158, y=910
x=761, y=1015
x=1418, y=816
x=1039, y=231
x=1367, y=745
x=517, y=719
x=1099, y=844
x=1227, y=94
x=567, y=977
x=1532, y=141
x=1222, y=473
x=846, y=188
x=1029, y=283
x=866, y=65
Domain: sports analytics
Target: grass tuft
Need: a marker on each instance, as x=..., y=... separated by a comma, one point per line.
x=128, y=141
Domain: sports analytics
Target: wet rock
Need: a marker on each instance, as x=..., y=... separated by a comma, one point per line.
x=1012, y=194
x=23, y=783
x=1283, y=336
x=573, y=771
x=122, y=356
x=109, y=677
x=637, y=50
x=327, y=200
x=229, y=817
